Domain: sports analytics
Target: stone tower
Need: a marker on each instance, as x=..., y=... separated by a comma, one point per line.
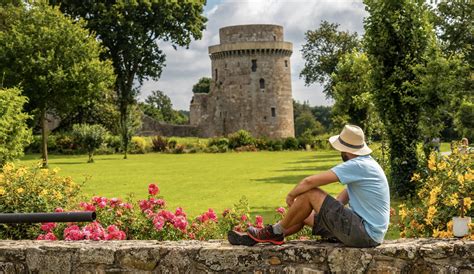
x=251, y=84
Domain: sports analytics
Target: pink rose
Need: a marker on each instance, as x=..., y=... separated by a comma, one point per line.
x=153, y=189
x=259, y=221
x=281, y=210
x=48, y=227
x=211, y=215
x=158, y=222
x=180, y=223
x=180, y=212
x=48, y=237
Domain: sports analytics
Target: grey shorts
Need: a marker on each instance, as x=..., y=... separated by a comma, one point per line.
x=339, y=222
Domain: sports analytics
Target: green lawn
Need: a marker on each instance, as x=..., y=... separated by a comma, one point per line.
x=199, y=181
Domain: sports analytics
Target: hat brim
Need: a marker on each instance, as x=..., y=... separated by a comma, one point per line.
x=334, y=141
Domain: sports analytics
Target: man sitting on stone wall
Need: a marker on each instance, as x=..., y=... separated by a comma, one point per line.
x=362, y=224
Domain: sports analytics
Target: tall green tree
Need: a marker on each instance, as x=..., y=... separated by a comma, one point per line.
x=397, y=34
x=130, y=30
x=352, y=92
x=14, y=133
x=454, y=22
x=53, y=58
x=202, y=86
x=440, y=83
x=321, y=52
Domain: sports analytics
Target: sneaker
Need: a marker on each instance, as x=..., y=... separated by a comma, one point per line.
x=239, y=238
x=265, y=235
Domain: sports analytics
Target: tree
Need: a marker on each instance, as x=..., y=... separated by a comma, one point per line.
x=202, y=86
x=14, y=133
x=130, y=31
x=159, y=107
x=440, y=82
x=102, y=111
x=323, y=115
x=454, y=22
x=352, y=92
x=89, y=137
x=465, y=119
x=53, y=58
x=397, y=34
x=321, y=52
x=306, y=122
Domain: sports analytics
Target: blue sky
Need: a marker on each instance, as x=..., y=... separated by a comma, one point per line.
x=185, y=66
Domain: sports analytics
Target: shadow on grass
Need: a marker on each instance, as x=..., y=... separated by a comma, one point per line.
x=289, y=179
x=308, y=168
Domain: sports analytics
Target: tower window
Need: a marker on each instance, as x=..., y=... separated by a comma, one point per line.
x=254, y=65
x=216, y=74
x=262, y=83
x=286, y=63
x=273, y=112
x=274, y=38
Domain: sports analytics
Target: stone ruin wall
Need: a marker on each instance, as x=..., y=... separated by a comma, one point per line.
x=250, y=87
x=401, y=256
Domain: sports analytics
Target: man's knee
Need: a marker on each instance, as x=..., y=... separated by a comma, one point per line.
x=315, y=194
x=316, y=198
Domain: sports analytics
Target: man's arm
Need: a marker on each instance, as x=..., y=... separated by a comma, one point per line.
x=311, y=182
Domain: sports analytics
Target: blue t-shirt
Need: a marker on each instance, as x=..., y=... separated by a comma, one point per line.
x=369, y=194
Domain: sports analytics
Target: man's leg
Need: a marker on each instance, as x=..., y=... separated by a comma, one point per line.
x=299, y=211
x=343, y=197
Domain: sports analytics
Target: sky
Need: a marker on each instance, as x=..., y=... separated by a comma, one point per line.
x=184, y=67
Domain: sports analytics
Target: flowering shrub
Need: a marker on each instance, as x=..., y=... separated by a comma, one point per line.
x=31, y=189
x=445, y=190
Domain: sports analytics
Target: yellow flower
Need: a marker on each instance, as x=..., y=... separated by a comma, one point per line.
x=2, y=191
x=57, y=195
x=467, y=202
x=402, y=212
x=415, y=177
x=442, y=165
x=431, y=213
x=450, y=226
x=461, y=179
x=432, y=162
x=453, y=200
x=434, y=194
x=20, y=190
x=436, y=233
x=450, y=172
x=44, y=192
x=469, y=176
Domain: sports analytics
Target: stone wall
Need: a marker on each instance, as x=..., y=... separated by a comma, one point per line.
x=151, y=127
x=402, y=256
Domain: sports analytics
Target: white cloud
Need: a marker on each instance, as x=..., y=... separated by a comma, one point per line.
x=185, y=66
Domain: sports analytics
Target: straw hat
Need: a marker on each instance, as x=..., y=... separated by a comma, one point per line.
x=350, y=140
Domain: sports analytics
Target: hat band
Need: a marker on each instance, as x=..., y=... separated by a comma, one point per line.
x=349, y=145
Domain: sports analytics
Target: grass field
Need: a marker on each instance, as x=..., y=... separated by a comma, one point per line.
x=199, y=181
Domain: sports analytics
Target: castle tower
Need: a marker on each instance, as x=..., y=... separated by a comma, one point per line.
x=251, y=84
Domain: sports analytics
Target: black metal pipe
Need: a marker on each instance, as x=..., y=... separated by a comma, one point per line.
x=55, y=217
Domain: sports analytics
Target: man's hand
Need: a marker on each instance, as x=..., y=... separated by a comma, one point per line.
x=289, y=200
